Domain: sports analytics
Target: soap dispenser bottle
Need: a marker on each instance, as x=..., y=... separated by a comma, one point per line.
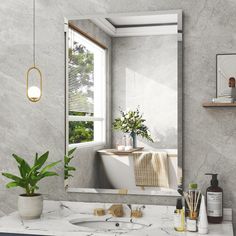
x=214, y=200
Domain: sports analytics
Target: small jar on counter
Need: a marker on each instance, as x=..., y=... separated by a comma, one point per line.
x=191, y=221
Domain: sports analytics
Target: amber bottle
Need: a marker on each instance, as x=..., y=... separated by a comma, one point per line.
x=214, y=201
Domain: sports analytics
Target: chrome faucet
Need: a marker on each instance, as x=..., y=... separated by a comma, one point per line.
x=129, y=206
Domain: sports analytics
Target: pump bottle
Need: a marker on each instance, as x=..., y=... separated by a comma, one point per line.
x=179, y=216
x=214, y=200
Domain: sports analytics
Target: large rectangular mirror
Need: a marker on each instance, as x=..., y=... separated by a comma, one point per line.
x=123, y=116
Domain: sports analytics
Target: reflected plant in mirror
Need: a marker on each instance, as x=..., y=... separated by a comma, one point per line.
x=132, y=122
x=67, y=166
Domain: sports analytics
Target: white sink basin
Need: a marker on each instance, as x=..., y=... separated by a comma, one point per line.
x=109, y=224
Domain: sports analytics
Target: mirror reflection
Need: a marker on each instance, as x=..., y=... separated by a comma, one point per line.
x=123, y=104
x=226, y=74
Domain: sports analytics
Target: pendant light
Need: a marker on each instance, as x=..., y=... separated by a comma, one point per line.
x=34, y=92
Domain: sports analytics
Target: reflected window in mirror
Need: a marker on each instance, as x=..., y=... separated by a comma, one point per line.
x=86, y=90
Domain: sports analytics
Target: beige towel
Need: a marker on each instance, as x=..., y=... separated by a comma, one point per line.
x=151, y=169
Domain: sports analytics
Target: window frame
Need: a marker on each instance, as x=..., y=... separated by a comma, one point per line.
x=103, y=93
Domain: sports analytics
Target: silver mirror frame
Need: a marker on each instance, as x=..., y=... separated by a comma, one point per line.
x=180, y=101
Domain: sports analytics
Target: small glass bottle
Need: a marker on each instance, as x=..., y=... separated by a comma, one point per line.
x=179, y=216
x=120, y=145
x=191, y=222
x=128, y=142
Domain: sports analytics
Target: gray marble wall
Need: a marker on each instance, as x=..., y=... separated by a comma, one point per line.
x=209, y=134
x=144, y=75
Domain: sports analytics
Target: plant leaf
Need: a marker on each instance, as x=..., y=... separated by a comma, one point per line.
x=25, y=169
x=66, y=160
x=35, y=187
x=49, y=173
x=20, y=182
x=36, y=158
x=46, y=168
x=22, y=162
x=71, y=151
x=71, y=168
x=41, y=160
x=41, y=176
x=22, y=172
x=12, y=185
x=33, y=169
x=11, y=176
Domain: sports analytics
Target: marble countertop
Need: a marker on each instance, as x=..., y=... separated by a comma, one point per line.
x=56, y=217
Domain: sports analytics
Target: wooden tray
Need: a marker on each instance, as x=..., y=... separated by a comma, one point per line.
x=115, y=151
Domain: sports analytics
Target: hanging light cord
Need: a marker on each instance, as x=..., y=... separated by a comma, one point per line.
x=34, y=32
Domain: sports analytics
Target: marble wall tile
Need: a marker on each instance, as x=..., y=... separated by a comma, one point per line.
x=209, y=134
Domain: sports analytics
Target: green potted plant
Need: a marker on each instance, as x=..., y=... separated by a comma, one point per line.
x=30, y=204
x=132, y=122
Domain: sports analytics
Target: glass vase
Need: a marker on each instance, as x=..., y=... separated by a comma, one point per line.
x=134, y=137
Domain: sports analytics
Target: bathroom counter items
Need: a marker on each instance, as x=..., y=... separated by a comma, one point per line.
x=62, y=219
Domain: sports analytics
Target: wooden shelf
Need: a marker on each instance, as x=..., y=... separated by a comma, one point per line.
x=215, y=104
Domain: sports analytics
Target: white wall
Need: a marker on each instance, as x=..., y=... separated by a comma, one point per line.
x=144, y=75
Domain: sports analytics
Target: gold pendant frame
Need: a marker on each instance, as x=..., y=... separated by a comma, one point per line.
x=40, y=81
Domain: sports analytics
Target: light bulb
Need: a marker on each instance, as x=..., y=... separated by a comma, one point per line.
x=34, y=93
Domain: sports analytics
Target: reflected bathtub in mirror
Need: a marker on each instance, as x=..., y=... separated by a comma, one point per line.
x=124, y=103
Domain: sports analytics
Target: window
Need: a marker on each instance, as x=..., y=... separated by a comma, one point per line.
x=86, y=90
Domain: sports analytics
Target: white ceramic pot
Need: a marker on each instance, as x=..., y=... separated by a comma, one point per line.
x=30, y=207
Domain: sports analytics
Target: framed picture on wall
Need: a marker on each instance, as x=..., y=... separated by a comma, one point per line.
x=226, y=76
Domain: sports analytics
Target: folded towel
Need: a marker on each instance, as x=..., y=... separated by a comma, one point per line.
x=151, y=169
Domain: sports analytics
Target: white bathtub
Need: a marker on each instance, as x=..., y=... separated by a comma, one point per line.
x=120, y=171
